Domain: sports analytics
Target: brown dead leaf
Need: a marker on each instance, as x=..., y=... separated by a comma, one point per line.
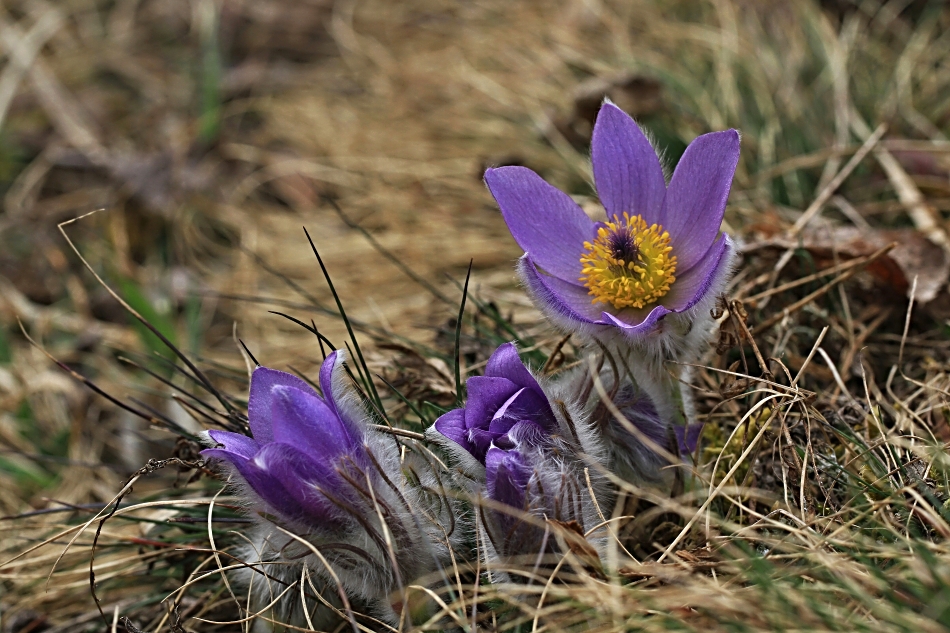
x=571, y=538
x=914, y=256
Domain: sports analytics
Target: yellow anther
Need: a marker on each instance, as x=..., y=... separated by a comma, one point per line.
x=629, y=264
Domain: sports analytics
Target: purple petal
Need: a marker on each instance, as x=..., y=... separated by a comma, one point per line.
x=524, y=405
x=505, y=363
x=481, y=440
x=544, y=221
x=566, y=301
x=305, y=421
x=504, y=442
x=627, y=172
x=452, y=426
x=260, y=400
x=507, y=477
x=687, y=437
x=696, y=198
x=271, y=490
x=485, y=395
x=635, y=327
x=222, y=454
x=690, y=288
x=330, y=363
x=235, y=443
x=503, y=419
x=294, y=483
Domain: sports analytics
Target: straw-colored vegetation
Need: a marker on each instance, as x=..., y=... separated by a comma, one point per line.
x=209, y=131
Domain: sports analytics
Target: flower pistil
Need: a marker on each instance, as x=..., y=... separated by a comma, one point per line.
x=628, y=265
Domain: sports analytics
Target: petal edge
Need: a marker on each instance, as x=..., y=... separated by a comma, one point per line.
x=696, y=198
x=531, y=207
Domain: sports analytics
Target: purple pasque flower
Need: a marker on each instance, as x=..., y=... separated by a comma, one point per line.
x=317, y=466
x=506, y=395
x=301, y=449
x=659, y=252
x=521, y=455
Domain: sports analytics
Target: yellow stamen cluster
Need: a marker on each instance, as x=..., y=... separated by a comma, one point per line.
x=628, y=265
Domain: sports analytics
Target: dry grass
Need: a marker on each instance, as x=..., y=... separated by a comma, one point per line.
x=820, y=502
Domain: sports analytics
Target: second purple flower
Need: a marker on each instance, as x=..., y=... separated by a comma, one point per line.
x=525, y=458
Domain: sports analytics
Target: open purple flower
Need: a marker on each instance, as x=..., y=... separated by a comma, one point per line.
x=506, y=395
x=659, y=252
x=301, y=446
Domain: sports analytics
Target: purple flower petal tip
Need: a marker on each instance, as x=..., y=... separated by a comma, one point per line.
x=627, y=171
x=696, y=199
x=330, y=366
x=260, y=401
x=235, y=443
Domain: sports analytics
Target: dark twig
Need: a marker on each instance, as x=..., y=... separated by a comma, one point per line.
x=311, y=329
x=169, y=383
x=150, y=467
x=346, y=320
x=145, y=416
x=458, y=335
x=249, y=352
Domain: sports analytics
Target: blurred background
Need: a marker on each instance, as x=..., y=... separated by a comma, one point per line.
x=205, y=134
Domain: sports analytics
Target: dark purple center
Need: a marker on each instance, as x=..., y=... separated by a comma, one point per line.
x=623, y=246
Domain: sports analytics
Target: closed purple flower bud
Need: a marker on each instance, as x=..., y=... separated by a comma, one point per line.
x=654, y=265
x=644, y=440
x=639, y=454
x=301, y=447
x=327, y=477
